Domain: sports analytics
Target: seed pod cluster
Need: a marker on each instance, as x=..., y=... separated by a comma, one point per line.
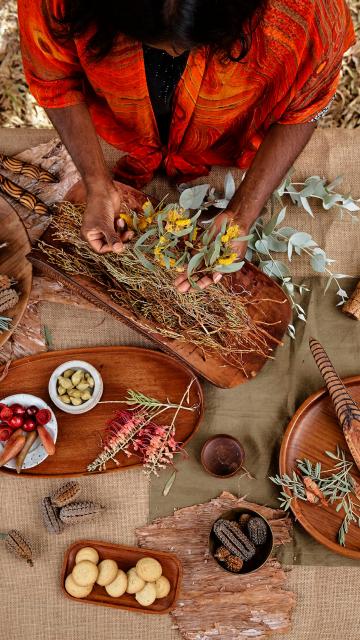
x=234, y=539
x=18, y=545
x=65, y=494
x=79, y=512
x=60, y=508
x=257, y=531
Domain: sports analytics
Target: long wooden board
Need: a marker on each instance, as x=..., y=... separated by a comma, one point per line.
x=79, y=437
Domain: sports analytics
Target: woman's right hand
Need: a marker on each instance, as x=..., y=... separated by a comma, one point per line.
x=102, y=228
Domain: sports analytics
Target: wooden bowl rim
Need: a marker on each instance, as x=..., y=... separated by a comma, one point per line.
x=227, y=436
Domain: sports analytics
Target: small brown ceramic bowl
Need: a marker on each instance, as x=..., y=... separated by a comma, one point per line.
x=222, y=456
x=263, y=551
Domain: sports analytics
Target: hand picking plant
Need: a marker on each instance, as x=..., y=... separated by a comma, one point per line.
x=134, y=432
x=311, y=483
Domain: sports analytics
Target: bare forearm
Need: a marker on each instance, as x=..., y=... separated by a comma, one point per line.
x=279, y=150
x=77, y=132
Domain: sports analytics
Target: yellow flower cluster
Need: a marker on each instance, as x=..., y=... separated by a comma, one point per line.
x=232, y=232
x=175, y=221
x=229, y=260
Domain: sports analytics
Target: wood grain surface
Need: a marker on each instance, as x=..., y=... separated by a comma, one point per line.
x=14, y=263
x=313, y=430
x=79, y=436
x=126, y=558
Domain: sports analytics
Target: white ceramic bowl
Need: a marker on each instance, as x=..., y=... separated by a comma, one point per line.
x=37, y=452
x=88, y=404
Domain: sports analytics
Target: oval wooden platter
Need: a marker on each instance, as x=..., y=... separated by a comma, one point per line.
x=14, y=263
x=126, y=557
x=313, y=430
x=122, y=368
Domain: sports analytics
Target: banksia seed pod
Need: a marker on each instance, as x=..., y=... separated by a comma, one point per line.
x=221, y=553
x=234, y=563
x=243, y=520
x=232, y=537
x=16, y=543
x=65, y=494
x=8, y=299
x=50, y=515
x=5, y=282
x=257, y=530
x=79, y=512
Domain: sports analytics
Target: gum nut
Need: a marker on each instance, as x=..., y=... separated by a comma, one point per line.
x=86, y=395
x=147, y=595
x=65, y=399
x=74, y=393
x=85, y=573
x=75, y=590
x=82, y=386
x=61, y=390
x=117, y=587
x=162, y=586
x=148, y=569
x=77, y=377
x=135, y=583
x=76, y=401
x=65, y=382
x=87, y=553
x=68, y=373
x=108, y=571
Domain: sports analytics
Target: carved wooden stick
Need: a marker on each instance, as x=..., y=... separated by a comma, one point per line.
x=27, y=199
x=26, y=169
x=352, y=306
x=347, y=410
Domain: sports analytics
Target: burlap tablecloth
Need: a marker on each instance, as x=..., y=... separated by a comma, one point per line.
x=327, y=596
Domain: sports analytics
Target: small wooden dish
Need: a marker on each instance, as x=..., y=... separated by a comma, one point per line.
x=126, y=557
x=222, y=456
x=263, y=552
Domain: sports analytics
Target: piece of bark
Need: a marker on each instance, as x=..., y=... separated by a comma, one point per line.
x=213, y=602
x=352, y=306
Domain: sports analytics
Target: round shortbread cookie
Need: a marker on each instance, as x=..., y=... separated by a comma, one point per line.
x=117, y=588
x=149, y=569
x=147, y=595
x=87, y=553
x=135, y=583
x=107, y=572
x=75, y=590
x=85, y=573
x=162, y=586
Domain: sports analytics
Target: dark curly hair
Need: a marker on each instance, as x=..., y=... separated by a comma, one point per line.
x=223, y=25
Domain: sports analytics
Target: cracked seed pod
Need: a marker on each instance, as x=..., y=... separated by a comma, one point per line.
x=8, y=299
x=5, y=282
x=221, y=553
x=234, y=563
x=65, y=494
x=233, y=538
x=50, y=515
x=79, y=512
x=16, y=543
x=257, y=530
x=243, y=520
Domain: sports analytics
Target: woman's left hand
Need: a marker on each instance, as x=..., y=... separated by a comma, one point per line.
x=182, y=283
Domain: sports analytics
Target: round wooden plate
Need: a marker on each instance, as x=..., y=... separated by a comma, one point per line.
x=14, y=263
x=312, y=431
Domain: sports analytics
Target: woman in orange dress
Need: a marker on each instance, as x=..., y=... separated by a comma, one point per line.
x=183, y=85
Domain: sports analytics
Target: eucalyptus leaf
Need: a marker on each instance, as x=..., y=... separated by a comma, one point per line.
x=144, y=237
x=195, y=261
x=300, y=239
x=262, y=246
x=277, y=245
x=318, y=262
x=229, y=186
x=169, y=484
x=193, y=198
x=229, y=268
x=275, y=268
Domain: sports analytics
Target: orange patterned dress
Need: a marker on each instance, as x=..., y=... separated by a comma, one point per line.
x=221, y=111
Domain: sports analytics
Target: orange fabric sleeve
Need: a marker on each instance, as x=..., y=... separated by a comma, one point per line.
x=52, y=68
x=330, y=34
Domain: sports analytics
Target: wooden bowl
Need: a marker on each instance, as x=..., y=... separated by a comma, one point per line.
x=263, y=551
x=126, y=557
x=222, y=456
x=14, y=263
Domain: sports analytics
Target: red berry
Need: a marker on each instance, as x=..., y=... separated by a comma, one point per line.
x=17, y=409
x=5, y=433
x=32, y=410
x=29, y=424
x=16, y=422
x=43, y=416
x=6, y=413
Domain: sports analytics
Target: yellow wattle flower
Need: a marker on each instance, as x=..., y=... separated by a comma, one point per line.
x=184, y=222
x=170, y=227
x=146, y=204
x=233, y=231
x=225, y=238
x=229, y=260
x=142, y=224
x=157, y=251
x=173, y=215
x=127, y=218
x=162, y=240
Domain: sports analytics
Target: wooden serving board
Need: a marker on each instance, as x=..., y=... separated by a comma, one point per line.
x=14, y=263
x=126, y=558
x=272, y=306
x=313, y=430
x=79, y=436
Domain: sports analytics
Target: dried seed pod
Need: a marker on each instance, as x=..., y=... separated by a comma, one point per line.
x=221, y=553
x=79, y=512
x=257, y=530
x=234, y=563
x=243, y=520
x=19, y=546
x=8, y=299
x=5, y=282
x=50, y=515
x=233, y=538
x=65, y=494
